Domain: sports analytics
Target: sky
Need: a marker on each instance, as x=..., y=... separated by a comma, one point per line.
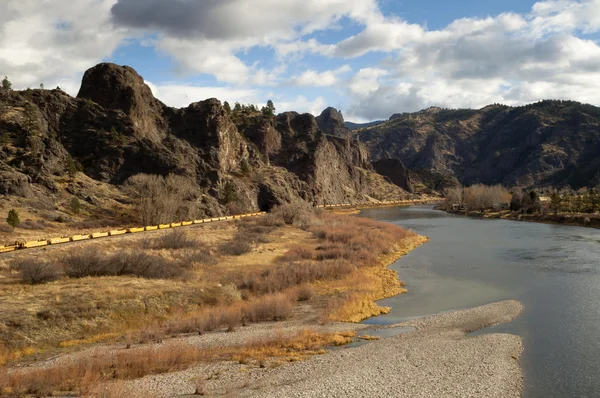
x=368, y=58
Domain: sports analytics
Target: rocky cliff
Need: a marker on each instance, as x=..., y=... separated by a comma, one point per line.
x=54, y=146
x=548, y=143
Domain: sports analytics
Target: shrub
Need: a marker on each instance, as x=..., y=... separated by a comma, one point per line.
x=75, y=206
x=34, y=271
x=173, y=240
x=6, y=228
x=13, y=218
x=235, y=247
x=91, y=262
x=86, y=262
x=33, y=225
x=305, y=292
x=299, y=252
x=200, y=255
x=294, y=212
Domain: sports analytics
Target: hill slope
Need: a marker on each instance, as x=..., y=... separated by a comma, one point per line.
x=547, y=143
x=116, y=129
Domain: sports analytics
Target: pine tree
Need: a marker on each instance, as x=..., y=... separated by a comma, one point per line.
x=6, y=84
x=13, y=218
x=555, y=202
x=227, y=107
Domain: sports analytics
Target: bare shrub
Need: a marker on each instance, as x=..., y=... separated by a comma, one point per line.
x=161, y=199
x=86, y=262
x=295, y=213
x=6, y=228
x=235, y=247
x=138, y=263
x=174, y=240
x=198, y=255
x=305, y=292
x=92, y=262
x=33, y=225
x=35, y=271
x=294, y=274
x=299, y=252
x=272, y=220
x=481, y=197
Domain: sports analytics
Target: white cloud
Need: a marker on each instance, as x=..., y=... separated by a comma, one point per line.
x=320, y=79
x=54, y=44
x=181, y=95
x=302, y=105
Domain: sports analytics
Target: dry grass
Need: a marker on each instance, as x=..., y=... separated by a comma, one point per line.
x=84, y=374
x=221, y=292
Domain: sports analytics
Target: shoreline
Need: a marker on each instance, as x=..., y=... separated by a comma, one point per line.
x=437, y=358
x=567, y=220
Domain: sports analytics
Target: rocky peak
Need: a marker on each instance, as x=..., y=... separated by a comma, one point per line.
x=331, y=122
x=121, y=87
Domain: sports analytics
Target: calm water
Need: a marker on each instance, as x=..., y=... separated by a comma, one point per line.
x=553, y=270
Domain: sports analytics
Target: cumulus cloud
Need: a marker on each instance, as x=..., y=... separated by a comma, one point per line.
x=54, y=45
x=181, y=95
x=320, y=79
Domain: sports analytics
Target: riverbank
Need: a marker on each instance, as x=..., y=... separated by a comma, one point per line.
x=304, y=270
x=437, y=359
x=581, y=220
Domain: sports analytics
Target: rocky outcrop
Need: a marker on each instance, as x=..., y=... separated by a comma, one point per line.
x=115, y=129
x=548, y=143
x=395, y=171
x=331, y=122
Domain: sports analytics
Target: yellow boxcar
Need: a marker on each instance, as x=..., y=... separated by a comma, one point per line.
x=186, y=223
x=175, y=224
x=117, y=232
x=6, y=249
x=198, y=221
x=57, y=241
x=151, y=228
x=164, y=226
x=76, y=238
x=96, y=235
x=136, y=230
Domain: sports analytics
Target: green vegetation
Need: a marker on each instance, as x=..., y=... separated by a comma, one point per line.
x=13, y=218
x=6, y=84
x=75, y=206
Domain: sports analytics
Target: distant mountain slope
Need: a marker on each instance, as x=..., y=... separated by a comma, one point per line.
x=356, y=126
x=546, y=143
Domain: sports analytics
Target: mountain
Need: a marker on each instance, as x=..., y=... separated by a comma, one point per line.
x=115, y=129
x=358, y=126
x=553, y=143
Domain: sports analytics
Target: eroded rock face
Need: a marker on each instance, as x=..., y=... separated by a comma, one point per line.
x=115, y=129
x=331, y=122
x=394, y=170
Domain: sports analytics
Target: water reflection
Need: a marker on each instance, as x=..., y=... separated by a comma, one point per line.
x=554, y=270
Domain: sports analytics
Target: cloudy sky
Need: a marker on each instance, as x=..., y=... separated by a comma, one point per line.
x=368, y=58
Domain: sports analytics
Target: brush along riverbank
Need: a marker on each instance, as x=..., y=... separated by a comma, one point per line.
x=294, y=265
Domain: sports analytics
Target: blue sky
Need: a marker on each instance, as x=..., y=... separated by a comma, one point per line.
x=368, y=58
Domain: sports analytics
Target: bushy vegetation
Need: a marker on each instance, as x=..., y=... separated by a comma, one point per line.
x=478, y=197
x=35, y=271
x=13, y=218
x=92, y=262
x=159, y=199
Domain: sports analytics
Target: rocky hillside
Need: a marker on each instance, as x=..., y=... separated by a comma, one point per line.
x=54, y=147
x=548, y=143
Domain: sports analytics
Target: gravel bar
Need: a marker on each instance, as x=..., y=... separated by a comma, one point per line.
x=437, y=359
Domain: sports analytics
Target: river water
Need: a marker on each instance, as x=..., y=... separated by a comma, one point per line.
x=553, y=270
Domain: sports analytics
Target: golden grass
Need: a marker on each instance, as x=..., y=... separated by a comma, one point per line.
x=83, y=375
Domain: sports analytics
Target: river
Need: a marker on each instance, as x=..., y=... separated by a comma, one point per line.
x=553, y=270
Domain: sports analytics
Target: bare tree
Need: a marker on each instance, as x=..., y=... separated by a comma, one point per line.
x=161, y=199
x=454, y=196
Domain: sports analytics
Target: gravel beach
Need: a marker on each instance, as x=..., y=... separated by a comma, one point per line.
x=437, y=359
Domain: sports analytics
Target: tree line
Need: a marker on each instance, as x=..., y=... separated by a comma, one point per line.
x=267, y=110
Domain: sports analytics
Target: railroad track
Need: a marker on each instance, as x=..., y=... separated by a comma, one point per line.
x=124, y=231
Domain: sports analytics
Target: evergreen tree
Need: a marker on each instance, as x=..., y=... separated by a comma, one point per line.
x=75, y=206
x=237, y=107
x=515, y=202
x=13, y=218
x=555, y=202
x=227, y=107
x=6, y=84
